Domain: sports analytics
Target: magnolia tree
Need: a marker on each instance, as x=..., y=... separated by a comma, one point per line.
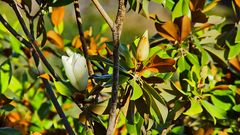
x=184, y=79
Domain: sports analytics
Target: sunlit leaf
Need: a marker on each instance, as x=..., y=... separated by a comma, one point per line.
x=137, y=90
x=184, y=24
x=57, y=15
x=181, y=9
x=175, y=31
x=168, y=30
x=162, y=65
x=236, y=108
x=195, y=107
x=211, y=5
x=214, y=111
x=63, y=89
x=221, y=104
x=235, y=63
x=238, y=3
x=55, y=38
x=5, y=75
x=145, y=4
x=234, y=50
x=99, y=108
x=182, y=65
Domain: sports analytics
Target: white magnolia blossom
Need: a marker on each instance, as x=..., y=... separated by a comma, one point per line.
x=76, y=70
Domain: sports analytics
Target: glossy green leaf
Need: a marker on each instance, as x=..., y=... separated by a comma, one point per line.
x=182, y=65
x=204, y=56
x=234, y=50
x=219, y=103
x=44, y=110
x=124, y=51
x=217, y=55
x=159, y=1
x=137, y=90
x=237, y=38
x=236, y=108
x=195, y=107
x=5, y=75
x=63, y=89
x=193, y=59
x=181, y=9
x=15, y=44
x=214, y=111
x=99, y=108
x=9, y=131
x=145, y=4
x=157, y=102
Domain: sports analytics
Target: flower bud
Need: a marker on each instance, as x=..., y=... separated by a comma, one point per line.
x=76, y=70
x=143, y=47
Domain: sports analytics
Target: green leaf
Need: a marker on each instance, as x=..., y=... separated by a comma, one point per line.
x=63, y=89
x=182, y=65
x=214, y=111
x=9, y=131
x=195, y=107
x=193, y=59
x=223, y=105
x=44, y=110
x=236, y=108
x=204, y=57
x=15, y=44
x=145, y=4
x=157, y=102
x=217, y=55
x=237, y=38
x=181, y=9
x=159, y=1
x=7, y=107
x=124, y=52
x=169, y=4
x=99, y=108
x=132, y=129
x=137, y=90
x=5, y=75
x=234, y=50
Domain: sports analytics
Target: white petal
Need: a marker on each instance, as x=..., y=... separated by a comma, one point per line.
x=81, y=72
x=67, y=63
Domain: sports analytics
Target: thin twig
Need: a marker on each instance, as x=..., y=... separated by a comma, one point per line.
x=13, y=32
x=116, y=33
x=37, y=50
x=82, y=39
x=103, y=13
x=58, y=107
x=32, y=41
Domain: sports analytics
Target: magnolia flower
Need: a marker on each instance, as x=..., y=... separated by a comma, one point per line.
x=143, y=47
x=76, y=70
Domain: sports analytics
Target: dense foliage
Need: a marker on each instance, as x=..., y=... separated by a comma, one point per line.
x=184, y=79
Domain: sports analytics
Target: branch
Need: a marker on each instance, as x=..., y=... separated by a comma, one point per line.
x=57, y=106
x=37, y=50
x=32, y=41
x=116, y=33
x=103, y=13
x=81, y=33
